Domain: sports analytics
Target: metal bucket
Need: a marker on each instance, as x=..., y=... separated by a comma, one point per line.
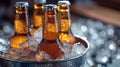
x=73, y=62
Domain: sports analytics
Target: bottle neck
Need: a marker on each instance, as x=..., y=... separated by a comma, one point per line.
x=21, y=13
x=38, y=8
x=21, y=16
x=64, y=11
x=38, y=15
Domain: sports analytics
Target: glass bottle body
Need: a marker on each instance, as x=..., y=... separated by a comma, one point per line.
x=64, y=21
x=50, y=32
x=50, y=24
x=21, y=25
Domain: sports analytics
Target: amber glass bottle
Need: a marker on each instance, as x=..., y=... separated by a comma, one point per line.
x=50, y=22
x=37, y=16
x=64, y=20
x=38, y=13
x=64, y=16
x=50, y=32
x=21, y=24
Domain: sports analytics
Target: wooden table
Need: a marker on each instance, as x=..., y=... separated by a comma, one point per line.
x=103, y=14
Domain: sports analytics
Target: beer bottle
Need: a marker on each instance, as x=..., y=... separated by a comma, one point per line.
x=50, y=32
x=21, y=24
x=38, y=12
x=50, y=23
x=64, y=20
x=37, y=16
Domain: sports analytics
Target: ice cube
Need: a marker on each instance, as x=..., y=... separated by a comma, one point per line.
x=116, y=63
x=76, y=31
x=35, y=40
x=102, y=56
x=92, y=31
x=24, y=52
x=62, y=57
x=66, y=56
x=3, y=48
x=90, y=61
x=38, y=35
x=85, y=65
x=70, y=55
x=13, y=55
x=110, y=30
x=18, y=53
x=94, y=36
x=33, y=48
x=78, y=48
x=5, y=41
x=24, y=44
x=33, y=44
x=84, y=29
x=100, y=65
x=103, y=34
x=117, y=55
x=111, y=45
x=65, y=47
x=71, y=52
x=101, y=59
x=2, y=54
x=42, y=56
x=99, y=41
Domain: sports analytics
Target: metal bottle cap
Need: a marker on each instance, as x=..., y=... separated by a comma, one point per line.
x=50, y=6
x=22, y=4
x=66, y=2
x=40, y=1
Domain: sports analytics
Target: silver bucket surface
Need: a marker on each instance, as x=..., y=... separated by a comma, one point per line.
x=73, y=62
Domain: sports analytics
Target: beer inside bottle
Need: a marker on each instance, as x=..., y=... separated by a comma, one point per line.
x=50, y=22
x=21, y=24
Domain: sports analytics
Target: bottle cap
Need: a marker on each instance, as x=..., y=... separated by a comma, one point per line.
x=40, y=1
x=50, y=6
x=64, y=2
x=22, y=4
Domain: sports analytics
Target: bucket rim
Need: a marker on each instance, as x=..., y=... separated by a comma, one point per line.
x=55, y=61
